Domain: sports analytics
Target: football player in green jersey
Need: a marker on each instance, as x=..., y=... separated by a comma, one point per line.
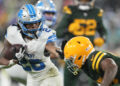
x=101, y=66
x=83, y=19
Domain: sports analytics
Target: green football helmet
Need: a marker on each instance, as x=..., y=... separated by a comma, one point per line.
x=85, y=2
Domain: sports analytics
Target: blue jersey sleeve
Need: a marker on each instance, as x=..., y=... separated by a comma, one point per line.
x=52, y=38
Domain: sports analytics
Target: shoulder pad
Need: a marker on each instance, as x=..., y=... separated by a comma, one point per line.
x=100, y=13
x=67, y=10
x=11, y=29
x=13, y=35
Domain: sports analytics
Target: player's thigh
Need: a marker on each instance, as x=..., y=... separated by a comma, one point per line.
x=31, y=81
x=53, y=81
x=17, y=71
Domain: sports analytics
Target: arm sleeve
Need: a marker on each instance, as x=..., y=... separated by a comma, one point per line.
x=97, y=60
x=52, y=38
x=101, y=29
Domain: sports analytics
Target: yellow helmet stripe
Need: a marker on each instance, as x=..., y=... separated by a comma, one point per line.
x=98, y=61
x=96, y=56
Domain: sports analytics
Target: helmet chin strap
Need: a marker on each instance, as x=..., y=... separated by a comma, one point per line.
x=35, y=35
x=84, y=7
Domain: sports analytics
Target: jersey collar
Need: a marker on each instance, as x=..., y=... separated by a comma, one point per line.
x=84, y=7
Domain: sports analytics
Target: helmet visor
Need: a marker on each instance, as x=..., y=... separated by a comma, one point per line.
x=33, y=26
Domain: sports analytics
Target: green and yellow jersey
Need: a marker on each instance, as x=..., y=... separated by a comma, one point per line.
x=92, y=66
x=76, y=22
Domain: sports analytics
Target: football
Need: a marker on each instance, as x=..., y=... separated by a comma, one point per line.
x=9, y=53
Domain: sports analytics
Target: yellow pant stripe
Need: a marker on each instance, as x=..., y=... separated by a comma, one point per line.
x=96, y=56
x=98, y=61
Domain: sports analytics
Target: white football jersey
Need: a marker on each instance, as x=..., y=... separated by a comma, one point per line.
x=35, y=63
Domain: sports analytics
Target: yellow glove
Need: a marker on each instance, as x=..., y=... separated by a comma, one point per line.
x=98, y=41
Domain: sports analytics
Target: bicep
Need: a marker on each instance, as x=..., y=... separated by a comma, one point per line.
x=101, y=28
x=107, y=64
x=6, y=46
x=3, y=59
x=50, y=44
x=110, y=69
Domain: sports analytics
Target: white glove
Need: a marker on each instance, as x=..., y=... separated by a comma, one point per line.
x=20, y=55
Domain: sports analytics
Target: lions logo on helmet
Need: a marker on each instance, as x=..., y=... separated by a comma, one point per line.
x=76, y=52
x=29, y=14
x=49, y=11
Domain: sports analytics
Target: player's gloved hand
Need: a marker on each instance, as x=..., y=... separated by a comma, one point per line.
x=63, y=44
x=98, y=41
x=21, y=54
x=60, y=53
x=62, y=49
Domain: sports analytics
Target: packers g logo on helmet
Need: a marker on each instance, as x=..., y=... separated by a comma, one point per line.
x=77, y=50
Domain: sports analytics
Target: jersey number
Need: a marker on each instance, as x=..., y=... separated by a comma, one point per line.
x=34, y=64
x=83, y=27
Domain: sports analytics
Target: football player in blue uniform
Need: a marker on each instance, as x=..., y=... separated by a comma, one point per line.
x=31, y=43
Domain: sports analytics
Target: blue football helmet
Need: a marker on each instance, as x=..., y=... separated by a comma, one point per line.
x=47, y=6
x=30, y=14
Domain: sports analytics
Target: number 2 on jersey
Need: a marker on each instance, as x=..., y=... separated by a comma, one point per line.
x=83, y=27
